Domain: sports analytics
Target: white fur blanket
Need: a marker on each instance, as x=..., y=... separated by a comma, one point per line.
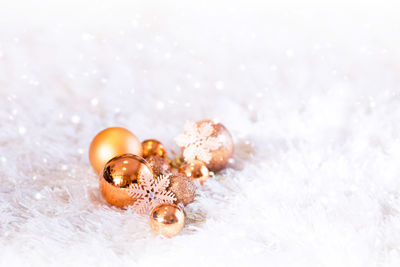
x=311, y=97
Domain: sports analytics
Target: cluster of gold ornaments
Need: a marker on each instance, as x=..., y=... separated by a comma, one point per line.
x=140, y=176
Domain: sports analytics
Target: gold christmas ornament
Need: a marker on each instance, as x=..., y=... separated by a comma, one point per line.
x=196, y=170
x=152, y=147
x=158, y=164
x=206, y=141
x=119, y=174
x=112, y=142
x=183, y=188
x=167, y=219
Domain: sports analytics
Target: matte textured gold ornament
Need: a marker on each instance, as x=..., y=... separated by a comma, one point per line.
x=167, y=219
x=152, y=147
x=117, y=176
x=112, y=142
x=158, y=164
x=206, y=141
x=196, y=170
x=183, y=188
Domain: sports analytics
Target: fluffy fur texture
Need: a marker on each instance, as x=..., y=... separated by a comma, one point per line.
x=311, y=97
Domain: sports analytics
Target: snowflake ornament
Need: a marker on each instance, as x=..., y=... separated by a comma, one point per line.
x=197, y=141
x=150, y=192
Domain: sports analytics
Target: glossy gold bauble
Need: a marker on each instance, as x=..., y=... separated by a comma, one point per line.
x=221, y=155
x=158, y=164
x=196, y=170
x=112, y=142
x=183, y=188
x=152, y=147
x=167, y=219
x=118, y=174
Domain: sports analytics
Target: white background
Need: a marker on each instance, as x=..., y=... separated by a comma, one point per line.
x=310, y=94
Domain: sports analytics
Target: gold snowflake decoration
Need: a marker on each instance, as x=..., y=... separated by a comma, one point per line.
x=150, y=192
x=197, y=141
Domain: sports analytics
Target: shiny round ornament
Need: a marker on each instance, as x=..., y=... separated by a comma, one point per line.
x=206, y=141
x=158, y=164
x=196, y=170
x=183, y=188
x=152, y=147
x=112, y=142
x=167, y=219
x=117, y=176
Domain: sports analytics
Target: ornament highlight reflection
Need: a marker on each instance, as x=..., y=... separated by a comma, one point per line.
x=118, y=174
x=196, y=170
x=167, y=219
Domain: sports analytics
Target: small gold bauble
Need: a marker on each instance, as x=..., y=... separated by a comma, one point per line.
x=112, y=142
x=167, y=219
x=118, y=174
x=183, y=188
x=196, y=170
x=152, y=147
x=158, y=164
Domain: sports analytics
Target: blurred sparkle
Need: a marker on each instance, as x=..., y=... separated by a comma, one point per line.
x=219, y=85
x=139, y=46
x=75, y=119
x=160, y=105
x=289, y=53
x=22, y=130
x=94, y=102
x=87, y=36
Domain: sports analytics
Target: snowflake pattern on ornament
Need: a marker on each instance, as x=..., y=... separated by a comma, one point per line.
x=198, y=142
x=150, y=192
